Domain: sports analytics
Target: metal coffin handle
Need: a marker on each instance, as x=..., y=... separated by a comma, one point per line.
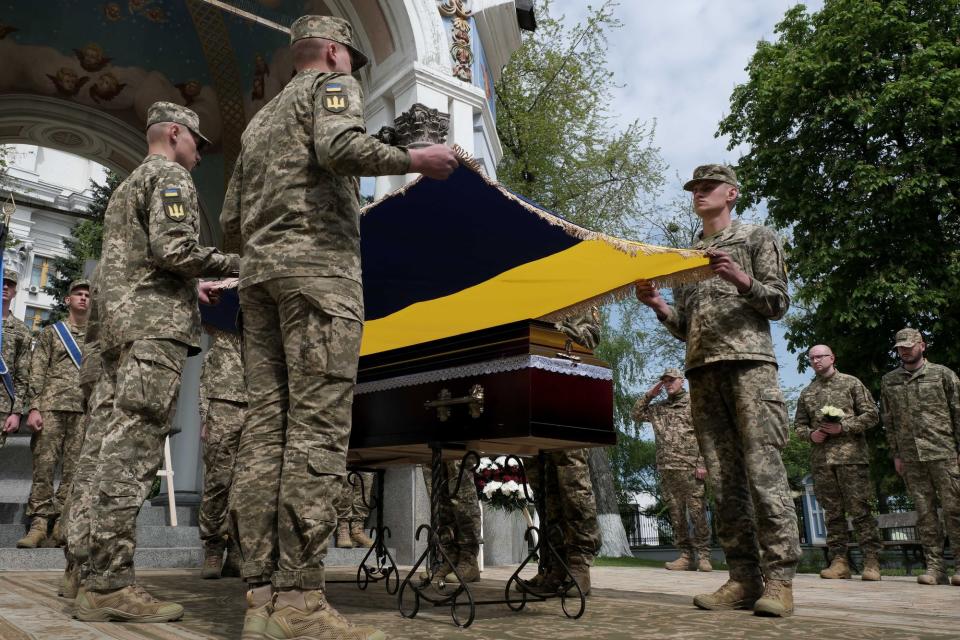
x=442, y=404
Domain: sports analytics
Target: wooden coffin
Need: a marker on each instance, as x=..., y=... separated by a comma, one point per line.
x=535, y=396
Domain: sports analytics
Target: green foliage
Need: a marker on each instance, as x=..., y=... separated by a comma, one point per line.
x=84, y=244
x=852, y=120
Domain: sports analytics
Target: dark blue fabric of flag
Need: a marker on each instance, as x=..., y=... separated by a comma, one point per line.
x=224, y=315
x=443, y=236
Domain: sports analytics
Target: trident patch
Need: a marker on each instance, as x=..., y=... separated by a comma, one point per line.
x=334, y=99
x=173, y=204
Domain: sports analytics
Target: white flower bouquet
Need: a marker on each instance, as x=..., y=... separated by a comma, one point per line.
x=502, y=484
x=830, y=413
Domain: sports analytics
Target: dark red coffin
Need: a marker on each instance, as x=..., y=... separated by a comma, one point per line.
x=538, y=392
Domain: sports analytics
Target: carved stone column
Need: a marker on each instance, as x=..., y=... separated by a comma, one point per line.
x=420, y=126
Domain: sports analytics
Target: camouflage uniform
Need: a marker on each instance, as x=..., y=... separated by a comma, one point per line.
x=840, y=464
x=55, y=386
x=354, y=500
x=678, y=458
x=223, y=403
x=738, y=409
x=149, y=322
x=921, y=415
x=458, y=519
x=293, y=208
x=17, y=341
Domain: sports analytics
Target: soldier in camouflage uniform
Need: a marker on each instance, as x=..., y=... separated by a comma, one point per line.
x=56, y=407
x=292, y=210
x=573, y=528
x=458, y=521
x=353, y=507
x=681, y=468
x=149, y=323
x=738, y=409
x=920, y=408
x=840, y=459
x=223, y=405
x=16, y=355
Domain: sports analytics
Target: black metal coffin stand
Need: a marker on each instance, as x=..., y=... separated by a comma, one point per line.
x=517, y=389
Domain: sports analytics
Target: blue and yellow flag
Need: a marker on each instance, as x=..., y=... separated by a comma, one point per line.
x=446, y=257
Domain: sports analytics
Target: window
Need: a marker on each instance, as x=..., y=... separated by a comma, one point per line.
x=35, y=316
x=40, y=271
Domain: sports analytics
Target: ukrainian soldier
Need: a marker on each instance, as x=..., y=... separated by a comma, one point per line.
x=149, y=323
x=353, y=507
x=56, y=407
x=840, y=460
x=223, y=404
x=15, y=368
x=738, y=410
x=293, y=208
x=570, y=502
x=920, y=408
x=681, y=468
x=458, y=520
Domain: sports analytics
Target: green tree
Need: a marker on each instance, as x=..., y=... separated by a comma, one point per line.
x=852, y=121
x=84, y=244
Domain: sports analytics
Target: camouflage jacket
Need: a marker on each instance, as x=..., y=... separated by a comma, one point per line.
x=54, y=379
x=846, y=393
x=152, y=258
x=677, y=446
x=222, y=376
x=17, y=340
x=584, y=329
x=292, y=202
x=90, y=369
x=717, y=322
x=921, y=413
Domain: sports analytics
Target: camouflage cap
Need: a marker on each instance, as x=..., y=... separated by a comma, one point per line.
x=172, y=112
x=11, y=275
x=718, y=172
x=76, y=284
x=330, y=28
x=671, y=372
x=908, y=337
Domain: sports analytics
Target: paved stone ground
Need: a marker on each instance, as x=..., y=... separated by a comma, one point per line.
x=627, y=603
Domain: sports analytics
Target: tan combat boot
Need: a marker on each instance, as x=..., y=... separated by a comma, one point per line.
x=932, y=576
x=777, y=599
x=580, y=570
x=732, y=595
x=703, y=563
x=259, y=609
x=683, y=563
x=212, y=564
x=871, y=569
x=467, y=566
x=955, y=579
x=128, y=604
x=70, y=583
x=307, y=614
x=359, y=536
x=35, y=536
x=343, y=535
x=442, y=572
x=839, y=569
x=55, y=539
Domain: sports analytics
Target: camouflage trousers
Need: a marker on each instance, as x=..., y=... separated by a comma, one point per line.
x=122, y=451
x=458, y=517
x=741, y=424
x=353, y=503
x=300, y=361
x=927, y=482
x=844, y=489
x=58, y=442
x=686, y=499
x=571, y=517
x=223, y=427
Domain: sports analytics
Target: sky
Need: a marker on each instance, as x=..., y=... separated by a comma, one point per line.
x=678, y=63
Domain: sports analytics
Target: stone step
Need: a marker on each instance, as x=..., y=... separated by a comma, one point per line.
x=147, y=535
x=150, y=514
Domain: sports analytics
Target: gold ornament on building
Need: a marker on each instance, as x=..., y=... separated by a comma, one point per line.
x=460, y=50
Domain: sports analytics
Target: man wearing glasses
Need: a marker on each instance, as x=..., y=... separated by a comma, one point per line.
x=833, y=412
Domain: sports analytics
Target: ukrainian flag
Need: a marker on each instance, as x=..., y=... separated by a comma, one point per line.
x=446, y=257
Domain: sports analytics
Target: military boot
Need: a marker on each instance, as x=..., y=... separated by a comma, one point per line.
x=35, y=536
x=259, y=608
x=732, y=595
x=683, y=563
x=839, y=569
x=231, y=566
x=444, y=570
x=56, y=538
x=703, y=562
x=307, y=615
x=343, y=535
x=128, y=604
x=467, y=565
x=871, y=569
x=359, y=536
x=932, y=576
x=70, y=583
x=212, y=564
x=955, y=579
x=580, y=571
x=777, y=599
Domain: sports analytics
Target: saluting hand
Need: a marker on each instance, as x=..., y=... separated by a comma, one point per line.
x=436, y=161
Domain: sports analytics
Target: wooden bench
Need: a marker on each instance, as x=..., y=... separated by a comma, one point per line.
x=899, y=531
